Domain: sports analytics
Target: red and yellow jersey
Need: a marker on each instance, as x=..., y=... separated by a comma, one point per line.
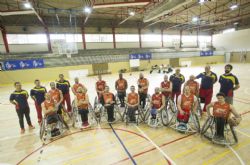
x=55, y=95
x=143, y=83
x=100, y=85
x=187, y=102
x=193, y=86
x=108, y=97
x=76, y=86
x=49, y=105
x=157, y=100
x=133, y=98
x=166, y=85
x=81, y=97
x=221, y=110
x=121, y=84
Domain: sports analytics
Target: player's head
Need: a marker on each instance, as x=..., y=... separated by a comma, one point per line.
x=80, y=90
x=220, y=97
x=52, y=85
x=76, y=80
x=192, y=77
x=18, y=85
x=106, y=89
x=99, y=77
x=157, y=90
x=141, y=75
x=177, y=71
x=207, y=68
x=61, y=76
x=47, y=96
x=186, y=90
x=165, y=77
x=37, y=82
x=120, y=75
x=132, y=88
x=228, y=68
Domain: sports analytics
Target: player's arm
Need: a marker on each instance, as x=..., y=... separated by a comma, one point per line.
x=116, y=85
x=199, y=76
x=44, y=109
x=182, y=79
x=86, y=101
x=195, y=104
x=235, y=113
x=215, y=78
x=197, y=89
x=12, y=100
x=126, y=84
x=32, y=94
x=237, y=84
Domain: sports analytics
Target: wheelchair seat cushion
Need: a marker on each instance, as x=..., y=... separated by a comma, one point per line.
x=52, y=119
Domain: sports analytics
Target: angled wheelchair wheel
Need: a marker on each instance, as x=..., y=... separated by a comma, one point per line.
x=234, y=133
x=63, y=122
x=164, y=117
x=207, y=125
x=42, y=130
x=117, y=113
x=196, y=122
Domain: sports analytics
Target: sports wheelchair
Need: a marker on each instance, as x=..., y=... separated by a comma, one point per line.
x=77, y=121
x=139, y=115
x=60, y=127
x=192, y=126
x=209, y=131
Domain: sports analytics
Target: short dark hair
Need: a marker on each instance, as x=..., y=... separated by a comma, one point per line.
x=230, y=66
x=36, y=80
x=61, y=74
x=17, y=82
x=220, y=94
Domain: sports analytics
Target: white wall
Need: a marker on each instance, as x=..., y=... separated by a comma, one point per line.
x=234, y=41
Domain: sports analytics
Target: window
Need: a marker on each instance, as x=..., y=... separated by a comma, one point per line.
x=228, y=30
x=127, y=37
x=151, y=38
x=26, y=38
x=99, y=37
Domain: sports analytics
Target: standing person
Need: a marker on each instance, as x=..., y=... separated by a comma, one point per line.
x=142, y=89
x=208, y=79
x=100, y=86
x=132, y=103
x=228, y=84
x=108, y=101
x=64, y=86
x=193, y=85
x=57, y=96
x=166, y=87
x=37, y=94
x=185, y=104
x=82, y=102
x=177, y=79
x=19, y=98
x=77, y=85
x=121, y=86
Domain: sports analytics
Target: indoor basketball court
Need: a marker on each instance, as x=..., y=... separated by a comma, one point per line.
x=44, y=42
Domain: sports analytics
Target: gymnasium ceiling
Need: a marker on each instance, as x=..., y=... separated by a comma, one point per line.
x=212, y=15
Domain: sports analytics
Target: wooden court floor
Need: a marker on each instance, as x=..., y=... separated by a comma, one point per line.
x=121, y=144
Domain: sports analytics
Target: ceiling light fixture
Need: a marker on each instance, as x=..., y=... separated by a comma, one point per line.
x=27, y=5
x=234, y=6
x=131, y=13
x=87, y=10
x=195, y=19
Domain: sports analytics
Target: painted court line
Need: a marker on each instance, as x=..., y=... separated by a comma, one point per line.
x=124, y=147
x=237, y=155
x=242, y=133
x=156, y=146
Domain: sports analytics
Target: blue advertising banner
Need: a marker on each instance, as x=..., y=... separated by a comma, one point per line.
x=207, y=53
x=23, y=64
x=141, y=56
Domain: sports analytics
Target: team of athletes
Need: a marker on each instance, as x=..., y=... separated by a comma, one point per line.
x=51, y=102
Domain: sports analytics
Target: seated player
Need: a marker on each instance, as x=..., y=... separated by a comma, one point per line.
x=185, y=104
x=166, y=87
x=57, y=96
x=222, y=112
x=82, y=102
x=49, y=108
x=157, y=103
x=108, y=101
x=132, y=103
x=77, y=85
x=193, y=85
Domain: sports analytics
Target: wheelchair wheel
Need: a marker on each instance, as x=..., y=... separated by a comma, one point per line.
x=206, y=125
x=63, y=122
x=146, y=114
x=42, y=130
x=234, y=133
x=196, y=122
x=117, y=113
x=164, y=117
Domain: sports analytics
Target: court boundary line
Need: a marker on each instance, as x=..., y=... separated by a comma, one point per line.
x=170, y=161
x=123, y=145
x=237, y=155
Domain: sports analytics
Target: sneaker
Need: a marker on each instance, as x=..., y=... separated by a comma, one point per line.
x=31, y=127
x=22, y=131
